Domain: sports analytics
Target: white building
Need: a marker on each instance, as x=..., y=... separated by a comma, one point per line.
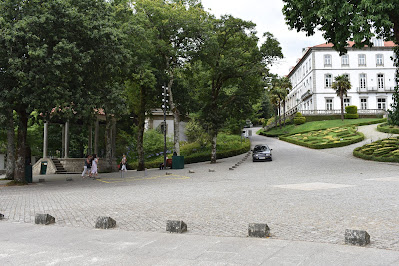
x=370, y=70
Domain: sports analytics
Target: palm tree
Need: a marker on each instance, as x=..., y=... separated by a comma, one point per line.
x=285, y=86
x=341, y=85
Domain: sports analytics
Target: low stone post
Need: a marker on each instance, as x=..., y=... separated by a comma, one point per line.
x=45, y=219
x=176, y=226
x=357, y=237
x=258, y=230
x=104, y=222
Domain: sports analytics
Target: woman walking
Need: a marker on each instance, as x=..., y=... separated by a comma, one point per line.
x=94, y=166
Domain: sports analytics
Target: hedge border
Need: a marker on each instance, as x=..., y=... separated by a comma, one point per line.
x=263, y=133
x=199, y=157
x=361, y=155
x=323, y=146
x=382, y=128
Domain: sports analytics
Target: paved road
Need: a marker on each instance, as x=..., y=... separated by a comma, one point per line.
x=303, y=195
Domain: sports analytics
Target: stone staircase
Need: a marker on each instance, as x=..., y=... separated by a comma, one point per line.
x=58, y=165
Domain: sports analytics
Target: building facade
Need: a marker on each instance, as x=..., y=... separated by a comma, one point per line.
x=370, y=70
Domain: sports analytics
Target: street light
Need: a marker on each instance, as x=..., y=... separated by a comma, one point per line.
x=165, y=106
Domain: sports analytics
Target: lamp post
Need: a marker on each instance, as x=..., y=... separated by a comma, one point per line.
x=165, y=106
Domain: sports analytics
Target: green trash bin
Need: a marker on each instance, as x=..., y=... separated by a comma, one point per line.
x=28, y=173
x=43, y=168
x=177, y=162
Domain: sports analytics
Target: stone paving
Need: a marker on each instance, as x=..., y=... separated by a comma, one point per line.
x=303, y=194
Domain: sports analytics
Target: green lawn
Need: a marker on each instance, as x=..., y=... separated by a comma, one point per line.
x=317, y=125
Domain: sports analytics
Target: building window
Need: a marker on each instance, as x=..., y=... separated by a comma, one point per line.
x=380, y=59
x=381, y=103
x=380, y=81
x=362, y=81
x=377, y=42
x=347, y=102
x=362, y=59
x=345, y=60
x=328, y=80
x=327, y=60
x=329, y=104
x=363, y=103
x=310, y=64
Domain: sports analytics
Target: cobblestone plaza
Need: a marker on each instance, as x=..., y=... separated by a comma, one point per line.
x=303, y=194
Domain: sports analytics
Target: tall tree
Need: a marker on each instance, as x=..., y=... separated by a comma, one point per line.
x=178, y=26
x=341, y=85
x=230, y=71
x=51, y=58
x=342, y=21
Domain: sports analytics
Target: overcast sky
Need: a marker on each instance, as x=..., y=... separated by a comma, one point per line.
x=268, y=16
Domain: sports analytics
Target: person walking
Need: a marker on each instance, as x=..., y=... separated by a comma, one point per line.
x=94, y=166
x=87, y=162
x=123, y=165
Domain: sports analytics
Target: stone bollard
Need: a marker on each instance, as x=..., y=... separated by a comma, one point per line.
x=69, y=179
x=1, y=216
x=231, y=168
x=176, y=226
x=258, y=230
x=104, y=222
x=44, y=219
x=357, y=237
x=212, y=170
x=191, y=172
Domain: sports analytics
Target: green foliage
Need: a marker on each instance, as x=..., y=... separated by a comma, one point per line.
x=327, y=138
x=342, y=20
x=299, y=119
x=196, y=133
x=386, y=150
x=229, y=145
x=394, y=112
x=351, y=109
x=351, y=116
x=388, y=128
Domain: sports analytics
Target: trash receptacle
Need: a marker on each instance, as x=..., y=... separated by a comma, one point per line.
x=28, y=173
x=177, y=162
x=43, y=168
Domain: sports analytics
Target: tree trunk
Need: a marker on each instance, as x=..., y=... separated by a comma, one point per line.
x=342, y=106
x=175, y=111
x=108, y=144
x=140, y=131
x=10, y=168
x=284, y=112
x=214, y=142
x=19, y=175
x=279, y=114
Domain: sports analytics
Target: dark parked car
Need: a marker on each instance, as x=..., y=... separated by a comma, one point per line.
x=262, y=153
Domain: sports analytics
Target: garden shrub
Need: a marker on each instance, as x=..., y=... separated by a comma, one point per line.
x=351, y=112
x=351, y=116
x=299, y=119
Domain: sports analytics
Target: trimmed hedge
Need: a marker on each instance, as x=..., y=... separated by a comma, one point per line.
x=351, y=116
x=386, y=128
x=386, y=150
x=351, y=109
x=311, y=145
x=312, y=118
x=198, y=157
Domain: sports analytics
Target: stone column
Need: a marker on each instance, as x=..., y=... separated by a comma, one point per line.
x=63, y=141
x=96, y=132
x=66, y=139
x=90, y=144
x=45, y=139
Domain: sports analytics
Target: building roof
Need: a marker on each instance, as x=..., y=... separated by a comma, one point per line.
x=389, y=44
x=350, y=44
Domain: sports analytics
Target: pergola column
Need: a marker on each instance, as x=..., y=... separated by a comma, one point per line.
x=96, y=132
x=90, y=144
x=66, y=154
x=45, y=139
